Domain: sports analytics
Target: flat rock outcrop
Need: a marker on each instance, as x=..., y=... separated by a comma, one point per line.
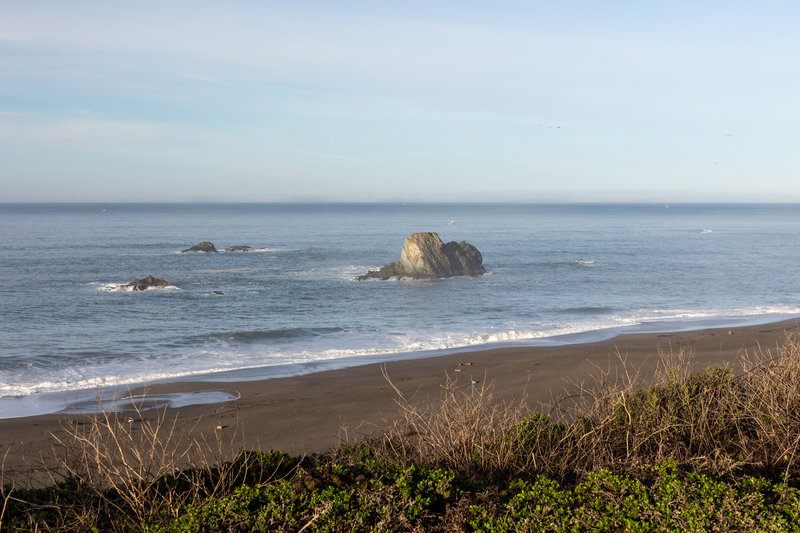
x=205, y=246
x=242, y=248
x=425, y=256
x=146, y=283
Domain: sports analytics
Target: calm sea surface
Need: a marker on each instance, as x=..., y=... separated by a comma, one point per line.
x=557, y=273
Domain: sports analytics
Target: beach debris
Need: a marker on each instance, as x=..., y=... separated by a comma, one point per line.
x=202, y=247
x=730, y=332
x=456, y=370
x=306, y=483
x=475, y=381
x=129, y=420
x=311, y=482
x=425, y=256
x=465, y=363
x=331, y=477
x=336, y=480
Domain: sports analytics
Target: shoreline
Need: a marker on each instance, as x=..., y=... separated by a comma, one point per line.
x=314, y=412
x=75, y=401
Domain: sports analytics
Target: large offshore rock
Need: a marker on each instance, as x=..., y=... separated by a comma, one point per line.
x=425, y=256
x=205, y=246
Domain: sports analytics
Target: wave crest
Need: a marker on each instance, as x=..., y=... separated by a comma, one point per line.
x=127, y=287
x=271, y=334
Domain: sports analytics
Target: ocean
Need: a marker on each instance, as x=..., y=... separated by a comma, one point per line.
x=556, y=274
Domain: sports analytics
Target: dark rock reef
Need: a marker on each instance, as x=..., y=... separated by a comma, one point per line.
x=242, y=248
x=147, y=283
x=425, y=256
x=205, y=246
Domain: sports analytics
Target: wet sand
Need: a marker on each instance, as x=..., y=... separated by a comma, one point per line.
x=312, y=413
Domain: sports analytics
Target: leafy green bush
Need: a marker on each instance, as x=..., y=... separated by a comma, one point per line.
x=671, y=502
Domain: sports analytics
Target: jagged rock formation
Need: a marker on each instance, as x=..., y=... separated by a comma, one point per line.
x=243, y=248
x=425, y=256
x=146, y=283
x=205, y=246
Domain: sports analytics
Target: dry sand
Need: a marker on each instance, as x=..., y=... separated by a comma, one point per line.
x=315, y=412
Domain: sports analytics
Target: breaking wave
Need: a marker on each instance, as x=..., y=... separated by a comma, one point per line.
x=127, y=287
x=272, y=334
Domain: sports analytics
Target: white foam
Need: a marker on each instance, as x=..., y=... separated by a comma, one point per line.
x=21, y=389
x=740, y=312
x=272, y=250
x=265, y=250
x=225, y=270
x=344, y=273
x=224, y=356
x=115, y=287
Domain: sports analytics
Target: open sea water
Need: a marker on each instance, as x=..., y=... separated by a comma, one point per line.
x=556, y=274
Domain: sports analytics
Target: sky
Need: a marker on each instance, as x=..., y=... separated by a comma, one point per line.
x=259, y=101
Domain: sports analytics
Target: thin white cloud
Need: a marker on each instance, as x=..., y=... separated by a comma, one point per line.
x=80, y=131
x=331, y=156
x=302, y=42
x=202, y=78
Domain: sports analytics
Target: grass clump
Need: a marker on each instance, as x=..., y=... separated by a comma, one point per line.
x=710, y=451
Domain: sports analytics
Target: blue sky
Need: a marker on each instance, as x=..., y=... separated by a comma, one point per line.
x=402, y=101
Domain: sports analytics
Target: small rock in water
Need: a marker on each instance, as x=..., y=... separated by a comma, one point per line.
x=242, y=248
x=147, y=283
x=205, y=247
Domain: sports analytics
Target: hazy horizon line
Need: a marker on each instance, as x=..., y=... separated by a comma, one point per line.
x=403, y=202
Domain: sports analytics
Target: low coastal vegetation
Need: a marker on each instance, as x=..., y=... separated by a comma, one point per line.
x=716, y=450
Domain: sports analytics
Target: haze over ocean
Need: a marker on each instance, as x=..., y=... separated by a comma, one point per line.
x=587, y=271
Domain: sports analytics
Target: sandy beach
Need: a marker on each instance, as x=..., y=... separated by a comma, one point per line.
x=312, y=413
